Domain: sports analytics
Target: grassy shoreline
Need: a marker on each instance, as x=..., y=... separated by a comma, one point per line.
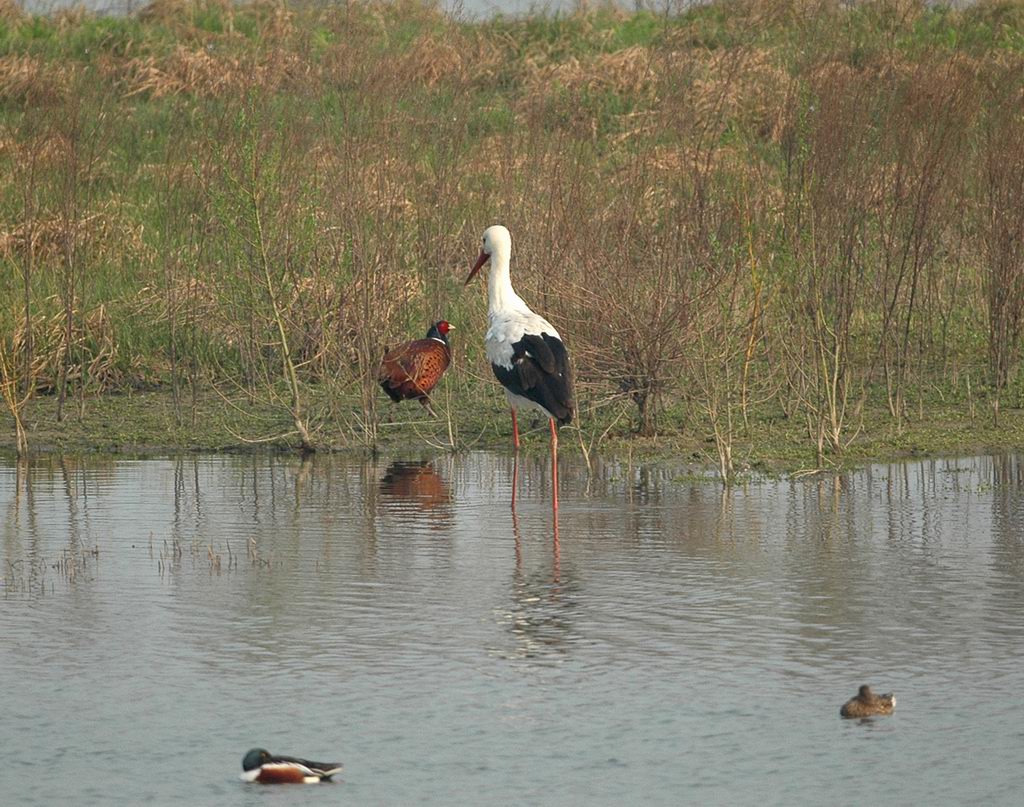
x=144, y=424
x=774, y=233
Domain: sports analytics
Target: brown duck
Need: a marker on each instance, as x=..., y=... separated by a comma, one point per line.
x=412, y=370
x=867, y=704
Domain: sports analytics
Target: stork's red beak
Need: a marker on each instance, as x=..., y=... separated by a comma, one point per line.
x=484, y=257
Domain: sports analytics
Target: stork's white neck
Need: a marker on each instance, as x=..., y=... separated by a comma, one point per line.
x=500, y=294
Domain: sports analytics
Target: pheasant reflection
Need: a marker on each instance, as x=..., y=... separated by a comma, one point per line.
x=408, y=486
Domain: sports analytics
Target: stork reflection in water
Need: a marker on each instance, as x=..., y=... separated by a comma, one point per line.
x=540, y=613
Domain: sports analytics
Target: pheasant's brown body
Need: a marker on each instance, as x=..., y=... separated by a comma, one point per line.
x=412, y=370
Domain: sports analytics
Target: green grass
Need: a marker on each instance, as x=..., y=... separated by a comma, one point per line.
x=385, y=136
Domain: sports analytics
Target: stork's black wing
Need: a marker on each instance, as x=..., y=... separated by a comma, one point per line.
x=540, y=373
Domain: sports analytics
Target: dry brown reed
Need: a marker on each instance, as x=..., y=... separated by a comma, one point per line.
x=181, y=12
x=90, y=357
x=208, y=73
x=31, y=80
x=626, y=71
x=11, y=11
x=107, y=234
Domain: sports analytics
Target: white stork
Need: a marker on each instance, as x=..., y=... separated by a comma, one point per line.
x=525, y=350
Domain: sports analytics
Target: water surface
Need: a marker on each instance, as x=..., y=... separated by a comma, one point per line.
x=670, y=644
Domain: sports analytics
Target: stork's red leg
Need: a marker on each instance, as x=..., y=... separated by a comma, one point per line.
x=515, y=431
x=554, y=466
x=515, y=481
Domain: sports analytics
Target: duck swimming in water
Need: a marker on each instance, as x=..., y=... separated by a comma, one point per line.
x=259, y=765
x=867, y=704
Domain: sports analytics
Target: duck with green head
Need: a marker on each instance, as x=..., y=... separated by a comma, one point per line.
x=259, y=765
